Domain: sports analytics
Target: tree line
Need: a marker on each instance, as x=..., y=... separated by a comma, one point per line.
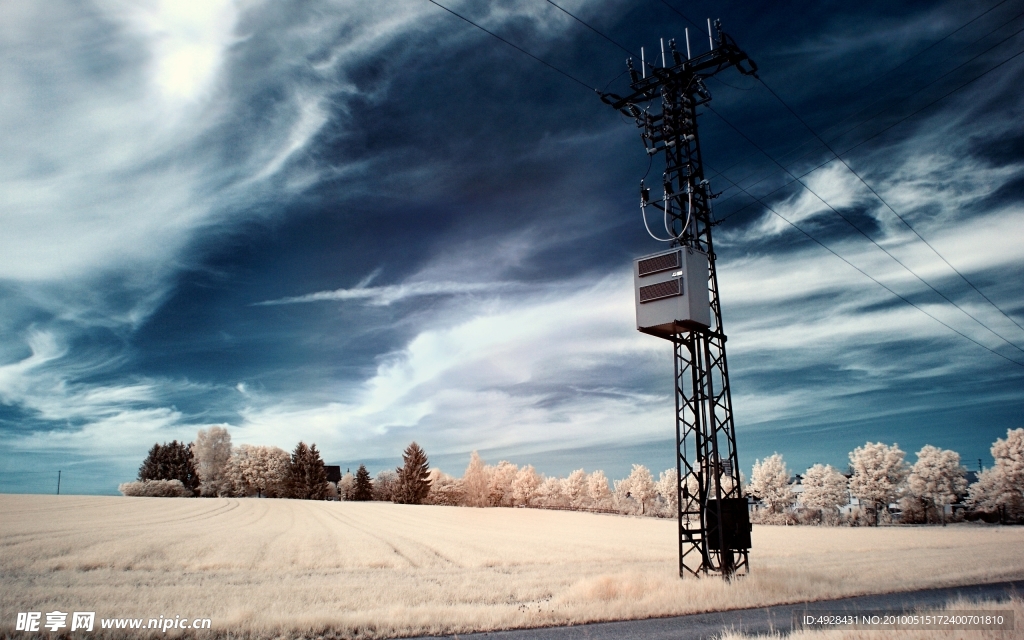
x=879, y=478
x=210, y=466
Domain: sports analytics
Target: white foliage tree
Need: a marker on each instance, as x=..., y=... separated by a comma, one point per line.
x=259, y=470
x=937, y=478
x=499, y=484
x=1001, y=487
x=879, y=474
x=576, y=490
x=524, y=486
x=346, y=485
x=211, y=455
x=385, y=486
x=550, y=494
x=640, y=486
x=597, y=487
x=770, y=482
x=621, y=496
x=668, y=490
x=825, y=489
x=475, y=482
x=445, y=490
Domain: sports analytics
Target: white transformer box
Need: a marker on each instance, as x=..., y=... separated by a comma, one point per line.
x=672, y=292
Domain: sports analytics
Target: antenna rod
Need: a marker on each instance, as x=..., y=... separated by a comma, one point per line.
x=643, y=63
x=687, y=30
x=711, y=42
x=663, y=53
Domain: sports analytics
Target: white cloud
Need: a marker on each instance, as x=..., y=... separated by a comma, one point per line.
x=113, y=166
x=386, y=295
x=508, y=370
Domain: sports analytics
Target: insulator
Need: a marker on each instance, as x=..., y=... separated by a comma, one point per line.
x=678, y=59
x=633, y=75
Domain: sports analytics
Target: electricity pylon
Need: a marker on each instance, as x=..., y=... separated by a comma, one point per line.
x=714, y=529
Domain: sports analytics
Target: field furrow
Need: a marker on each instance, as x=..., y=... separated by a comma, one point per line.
x=265, y=567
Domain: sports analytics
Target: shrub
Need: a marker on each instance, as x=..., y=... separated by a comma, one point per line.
x=155, y=489
x=767, y=516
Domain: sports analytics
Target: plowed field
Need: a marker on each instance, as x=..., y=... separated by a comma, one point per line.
x=264, y=567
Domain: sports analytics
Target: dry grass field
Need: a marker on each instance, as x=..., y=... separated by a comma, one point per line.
x=262, y=568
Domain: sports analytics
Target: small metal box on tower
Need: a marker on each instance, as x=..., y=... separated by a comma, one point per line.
x=672, y=292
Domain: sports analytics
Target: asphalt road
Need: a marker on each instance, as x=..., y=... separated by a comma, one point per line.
x=750, y=621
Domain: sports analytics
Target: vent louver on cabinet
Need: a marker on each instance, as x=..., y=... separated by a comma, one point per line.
x=663, y=262
x=661, y=290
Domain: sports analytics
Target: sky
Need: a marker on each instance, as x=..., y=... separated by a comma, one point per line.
x=361, y=224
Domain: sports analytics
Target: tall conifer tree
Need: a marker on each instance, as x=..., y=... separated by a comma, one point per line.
x=307, y=477
x=413, y=476
x=364, y=486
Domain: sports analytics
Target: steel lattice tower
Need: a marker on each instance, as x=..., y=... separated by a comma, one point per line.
x=714, y=531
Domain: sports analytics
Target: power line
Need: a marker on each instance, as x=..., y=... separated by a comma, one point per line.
x=795, y=178
x=888, y=206
x=861, y=231
x=915, y=92
x=873, y=136
x=934, y=80
x=592, y=28
x=516, y=47
x=833, y=209
x=872, y=278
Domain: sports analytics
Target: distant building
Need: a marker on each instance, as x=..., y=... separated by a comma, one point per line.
x=333, y=473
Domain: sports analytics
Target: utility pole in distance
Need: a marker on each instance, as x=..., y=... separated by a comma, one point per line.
x=677, y=300
x=58, y=482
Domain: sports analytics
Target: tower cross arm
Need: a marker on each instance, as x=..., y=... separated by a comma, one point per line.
x=727, y=54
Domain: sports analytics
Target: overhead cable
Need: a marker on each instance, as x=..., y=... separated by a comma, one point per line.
x=861, y=231
x=795, y=178
x=887, y=205
x=874, y=135
x=836, y=211
x=516, y=47
x=592, y=28
x=873, y=279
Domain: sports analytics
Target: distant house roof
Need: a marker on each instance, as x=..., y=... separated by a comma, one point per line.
x=333, y=472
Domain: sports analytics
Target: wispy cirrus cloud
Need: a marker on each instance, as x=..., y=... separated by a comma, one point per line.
x=283, y=149
x=389, y=294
